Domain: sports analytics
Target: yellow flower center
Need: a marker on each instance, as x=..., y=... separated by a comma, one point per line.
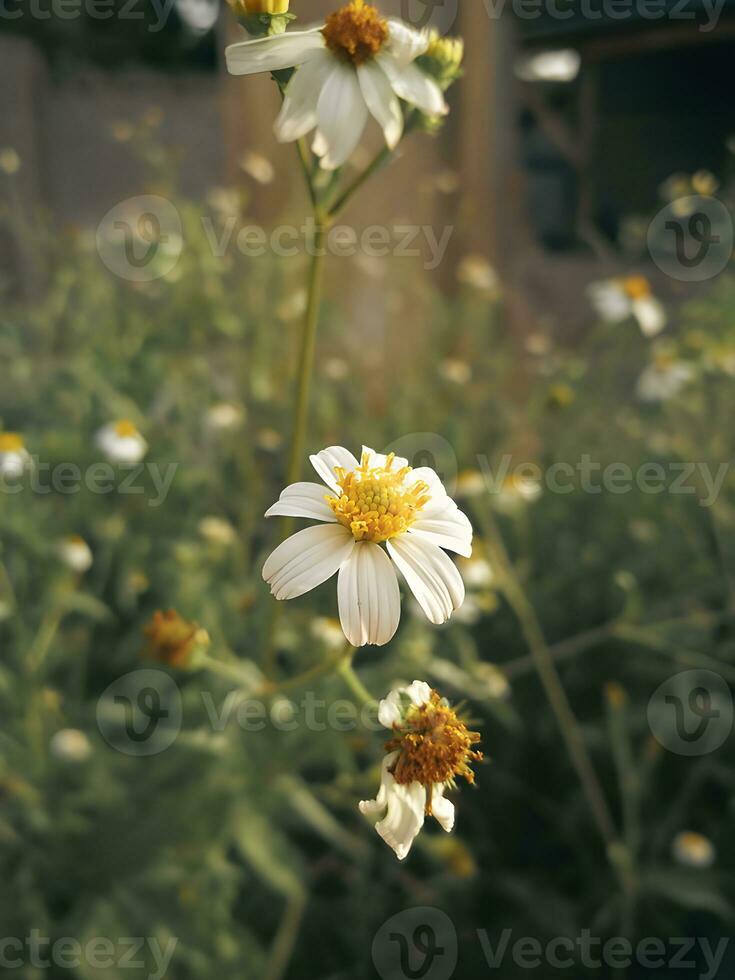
x=356, y=32
x=11, y=442
x=434, y=745
x=636, y=287
x=125, y=429
x=376, y=503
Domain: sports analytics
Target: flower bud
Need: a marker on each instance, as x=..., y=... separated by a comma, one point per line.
x=262, y=18
x=173, y=640
x=443, y=59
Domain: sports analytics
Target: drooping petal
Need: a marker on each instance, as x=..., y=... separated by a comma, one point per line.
x=389, y=709
x=442, y=808
x=342, y=115
x=369, y=597
x=326, y=461
x=431, y=575
x=406, y=43
x=413, y=86
x=381, y=101
x=448, y=528
x=307, y=559
x=288, y=50
x=418, y=693
x=405, y=810
x=304, y=500
x=298, y=113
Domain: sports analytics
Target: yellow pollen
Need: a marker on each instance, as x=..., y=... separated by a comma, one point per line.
x=356, y=32
x=434, y=746
x=125, y=429
x=11, y=442
x=377, y=503
x=636, y=287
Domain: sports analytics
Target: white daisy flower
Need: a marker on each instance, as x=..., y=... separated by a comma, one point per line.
x=356, y=65
x=75, y=553
x=430, y=748
x=693, y=850
x=70, y=745
x=664, y=379
x=121, y=442
x=379, y=500
x=617, y=299
x=14, y=457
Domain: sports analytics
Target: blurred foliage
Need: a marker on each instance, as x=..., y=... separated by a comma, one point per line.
x=234, y=841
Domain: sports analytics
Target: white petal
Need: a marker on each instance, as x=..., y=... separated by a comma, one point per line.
x=304, y=500
x=342, y=115
x=380, y=459
x=442, y=809
x=414, y=87
x=273, y=53
x=650, y=315
x=369, y=597
x=431, y=575
x=448, y=528
x=418, y=693
x=381, y=101
x=610, y=301
x=307, y=559
x=405, y=805
x=406, y=43
x=298, y=114
x=326, y=461
x=389, y=710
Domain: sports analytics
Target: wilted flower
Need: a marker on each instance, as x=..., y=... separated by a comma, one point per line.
x=121, y=442
x=379, y=500
x=14, y=457
x=693, y=850
x=617, y=299
x=172, y=639
x=664, y=378
x=70, y=745
x=358, y=64
x=258, y=167
x=431, y=747
x=75, y=553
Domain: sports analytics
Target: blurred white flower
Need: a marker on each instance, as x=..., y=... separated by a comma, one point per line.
x=200, y=16
x=293, y=306
x=475, y=271
x=225, y=416
x=75, y=553
x=617, y=299
x=328, y=631
x=379, y=500
x=14, y=457
x=471, y=483
x=336, y=368
x=456, y=371
x=357, y=64
x=10, y=162
x=70, y=745
x=664, y=378
x=258, y=167
x=516, y=491
x=216, y=530
x=693, y=850
x=431, y=747
x=121, y=442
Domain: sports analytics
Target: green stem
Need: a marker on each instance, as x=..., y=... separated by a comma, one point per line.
x=353, y=682
x=308, y=346
x=344, y=198
x=285, y=941
x=553, y=687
